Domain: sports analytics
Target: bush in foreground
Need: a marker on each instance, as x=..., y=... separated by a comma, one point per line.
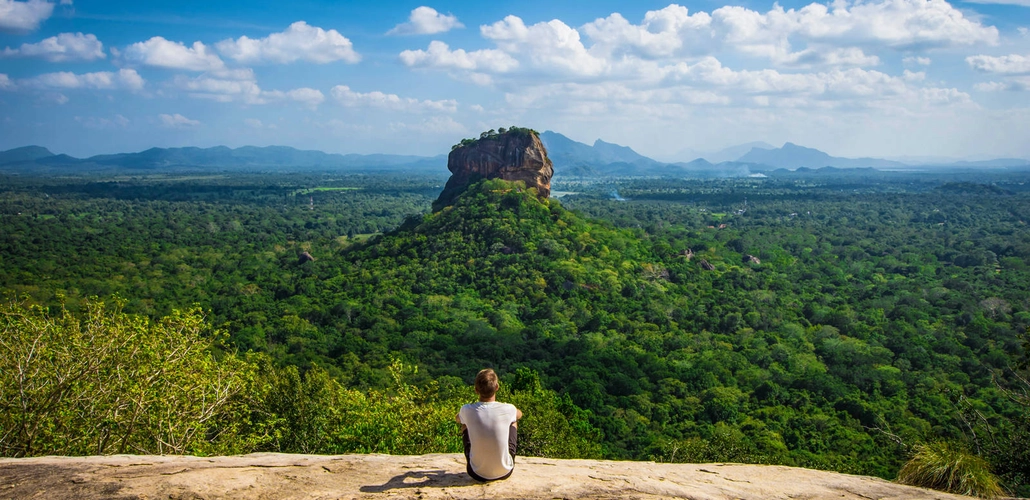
x=107, y=382
x=942, y=466
x=102, y=382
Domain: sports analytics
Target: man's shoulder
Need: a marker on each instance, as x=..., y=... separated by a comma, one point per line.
x=492, y=404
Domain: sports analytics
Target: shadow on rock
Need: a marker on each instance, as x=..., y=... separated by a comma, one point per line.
x=422, y=479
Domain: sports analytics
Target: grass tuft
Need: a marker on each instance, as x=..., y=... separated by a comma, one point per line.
x=945, y=467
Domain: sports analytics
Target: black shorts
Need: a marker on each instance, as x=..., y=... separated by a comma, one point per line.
x=513, y=441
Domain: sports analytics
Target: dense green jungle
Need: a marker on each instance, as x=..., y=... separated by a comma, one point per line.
x=831, y=319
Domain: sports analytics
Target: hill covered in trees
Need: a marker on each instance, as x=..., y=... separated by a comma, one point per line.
x=866, y=323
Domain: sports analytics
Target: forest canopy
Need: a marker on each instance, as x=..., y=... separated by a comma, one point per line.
x=828, y=322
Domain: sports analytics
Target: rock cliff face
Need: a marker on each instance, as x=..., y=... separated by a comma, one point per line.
x=513, y=156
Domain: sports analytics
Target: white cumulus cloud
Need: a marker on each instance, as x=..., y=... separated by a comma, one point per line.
x=831, y=34
x=426, y=21
x=553, y=45
x=913, y=76
x=299, y=42
x=221, y=89
x=836, y=84
x=130, y=79
x=439, y=55
x=124, y=79
x=1012, y=85
x=922, y=61
x=349, y=98
x=684, y=88
x=892, y=23
x=841, y=33
x=239, y=85
x=177, y=121
x=163, y=53
x=1013, y=64
x=20, y=17
x=663, y=33
x=61, y=48
x=990, y=86
x=1012, y=68
x=307, y=96
x=5, y=82
x=850, y=56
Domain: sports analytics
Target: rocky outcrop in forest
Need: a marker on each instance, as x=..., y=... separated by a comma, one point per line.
x=513, y=155
x=438, y=476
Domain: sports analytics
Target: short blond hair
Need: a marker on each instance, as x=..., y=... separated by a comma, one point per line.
x=486, y=383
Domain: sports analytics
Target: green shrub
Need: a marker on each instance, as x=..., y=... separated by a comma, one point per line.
x=102, y=381
x=312, y=413
x=943, y=466
x=107, y=382
x=552, y=426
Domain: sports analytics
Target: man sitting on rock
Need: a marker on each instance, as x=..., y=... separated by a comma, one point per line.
x=490, y=431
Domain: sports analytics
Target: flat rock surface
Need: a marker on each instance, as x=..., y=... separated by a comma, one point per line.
x=282, y=476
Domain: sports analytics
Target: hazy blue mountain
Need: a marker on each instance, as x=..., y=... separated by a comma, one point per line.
x=682, y=156
x=618, y=153
x=996, y=163
x=734, y=153
x=924, y=159
x=278, y=157
x=22, y=154
x=270, y=156
x=702, y=168
x=731, y=153
x=950, y=161
x=793, y=156
x=603, y=158
x=564, y=151
x=698, y=164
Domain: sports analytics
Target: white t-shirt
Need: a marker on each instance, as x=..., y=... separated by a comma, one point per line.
x=488, y=425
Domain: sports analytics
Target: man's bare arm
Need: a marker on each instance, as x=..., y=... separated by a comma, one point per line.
x=518, y=415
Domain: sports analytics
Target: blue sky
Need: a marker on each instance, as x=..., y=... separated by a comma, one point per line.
x=886, y=78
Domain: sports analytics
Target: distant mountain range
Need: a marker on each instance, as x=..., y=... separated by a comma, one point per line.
x=270, y=157
x=571, y=159
x=726, y=154
x=576, y=158
x=792, y=156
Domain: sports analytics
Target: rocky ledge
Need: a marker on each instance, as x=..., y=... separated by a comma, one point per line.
x=281, y=476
